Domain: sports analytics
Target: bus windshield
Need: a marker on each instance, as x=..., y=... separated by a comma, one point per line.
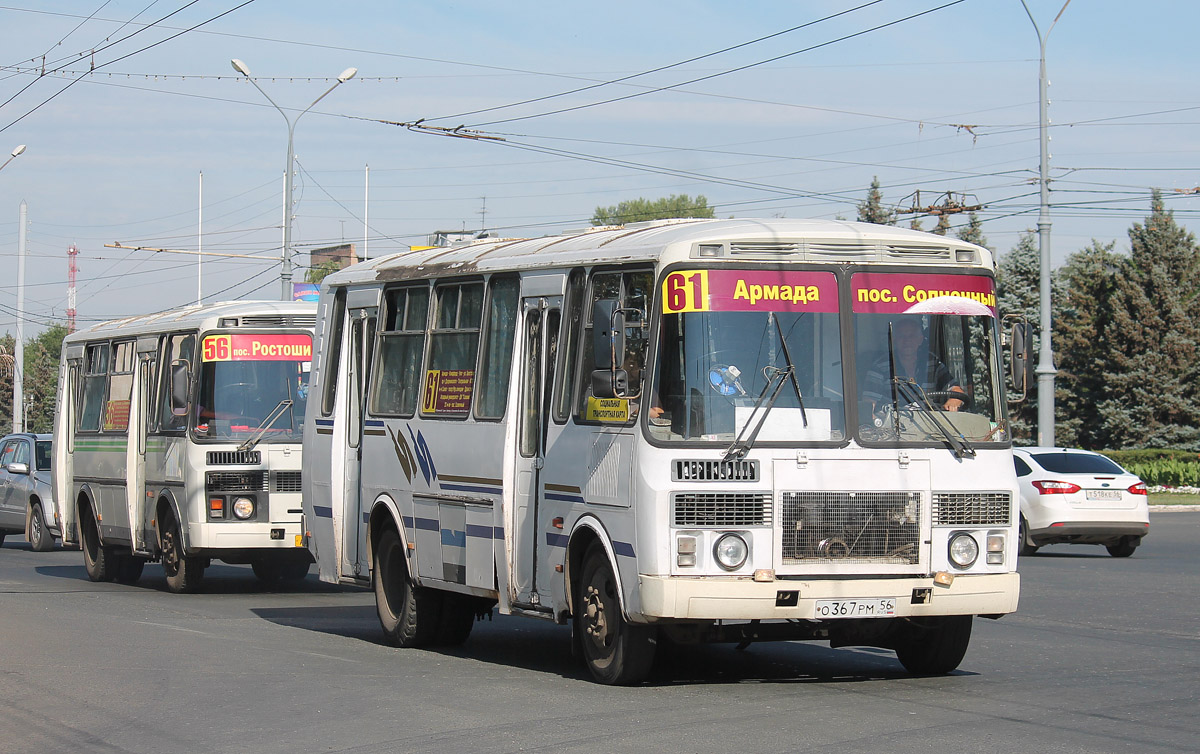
x=927, y=358
x=245, y=381
x=756, y=352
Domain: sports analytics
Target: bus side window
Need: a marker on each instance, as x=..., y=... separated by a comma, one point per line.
x=568, y=376
x=179, y=348
x=450, y=376
x=120, y=388
x=331, y=365
x=401, y=346
x=633, y=291
x=495, y=365
x=95, y=380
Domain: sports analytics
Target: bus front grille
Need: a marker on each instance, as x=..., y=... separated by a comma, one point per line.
x=972, y=509
x=287, y=481
x=723, y=509
x=851, y=527
x=236, y=481
x=234, y=458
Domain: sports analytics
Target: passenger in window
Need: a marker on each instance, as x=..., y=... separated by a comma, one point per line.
x=913, y=361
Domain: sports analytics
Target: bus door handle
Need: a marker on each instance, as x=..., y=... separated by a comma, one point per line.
x=539, y=463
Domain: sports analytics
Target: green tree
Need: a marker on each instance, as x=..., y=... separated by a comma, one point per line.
x=41, y=357
x=322, y=270
x=943, y=225
x=1154, y=339
x=972, y=232
x=1082, y=314
x=1017, y=276
x=641, y=210
x=871, y=210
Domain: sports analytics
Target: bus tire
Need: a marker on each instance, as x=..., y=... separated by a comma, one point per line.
x=184, y=574
x=129, y=569
x=99, y=561
x=616, y=652
x=40, y=538
x=409, y=614
x=934, y=646
x=457, y=619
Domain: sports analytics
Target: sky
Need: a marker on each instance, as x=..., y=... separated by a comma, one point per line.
x=139, y=132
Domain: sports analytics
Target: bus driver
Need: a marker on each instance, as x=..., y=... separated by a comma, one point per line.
x=912, y=361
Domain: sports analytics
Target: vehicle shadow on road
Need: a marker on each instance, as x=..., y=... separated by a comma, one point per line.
x=218, y=579
x=542, y=647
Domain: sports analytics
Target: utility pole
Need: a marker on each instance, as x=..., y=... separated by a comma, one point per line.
x=18, y=402
x=72, y=252
x=1045, y=368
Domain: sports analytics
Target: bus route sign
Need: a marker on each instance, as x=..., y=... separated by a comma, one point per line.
x=257, y=347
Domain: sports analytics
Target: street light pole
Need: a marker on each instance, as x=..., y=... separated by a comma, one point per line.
x=1045, y=367
x=20, y=148
x=285, y=275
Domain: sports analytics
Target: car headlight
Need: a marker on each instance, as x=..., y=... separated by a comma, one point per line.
x=731, y=551
x=243, y=508
x=963, y=550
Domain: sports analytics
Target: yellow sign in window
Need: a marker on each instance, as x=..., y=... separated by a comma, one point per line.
x=614, y=410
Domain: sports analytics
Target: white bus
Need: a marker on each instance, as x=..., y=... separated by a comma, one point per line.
x=177, y=438
x=705, y=430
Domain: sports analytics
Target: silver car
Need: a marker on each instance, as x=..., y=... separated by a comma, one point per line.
x=26, y=499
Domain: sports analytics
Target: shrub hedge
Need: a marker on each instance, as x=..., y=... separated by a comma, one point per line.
x=1160, y=466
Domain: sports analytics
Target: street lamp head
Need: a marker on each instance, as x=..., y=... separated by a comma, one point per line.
x=347, y=74
x=240, y=67
x=20, y=148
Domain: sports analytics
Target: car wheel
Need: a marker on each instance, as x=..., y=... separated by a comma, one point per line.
x=1027, y=547
x=39, y=536
x=1123, y=548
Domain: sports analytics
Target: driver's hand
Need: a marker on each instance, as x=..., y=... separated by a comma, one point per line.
x=953, y=404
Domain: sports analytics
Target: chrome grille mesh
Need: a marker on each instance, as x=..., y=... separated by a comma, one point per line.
x=972, y=509
x=722, y=509
x=851, y=527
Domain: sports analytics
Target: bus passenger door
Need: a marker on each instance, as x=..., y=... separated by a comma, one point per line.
x=540, y=317
x=135, y=457
x=354, y=526
x=63, y=476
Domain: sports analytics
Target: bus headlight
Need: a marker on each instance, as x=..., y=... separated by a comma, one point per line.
x=731, y=551
x=243, y=507
x=963, y=550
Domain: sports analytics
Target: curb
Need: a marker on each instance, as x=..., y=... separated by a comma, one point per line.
x=1173, y=508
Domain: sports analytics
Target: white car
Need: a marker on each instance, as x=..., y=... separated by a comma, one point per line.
x=1073, y=496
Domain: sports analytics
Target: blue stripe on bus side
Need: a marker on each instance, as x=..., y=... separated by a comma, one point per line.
x=454, y=538
x=623, y=549
x=565, y=498
x=428, y=524
x=471, y=488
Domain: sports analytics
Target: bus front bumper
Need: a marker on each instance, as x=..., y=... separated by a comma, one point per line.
x=744, y=599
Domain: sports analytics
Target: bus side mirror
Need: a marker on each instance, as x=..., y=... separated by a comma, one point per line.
x=179, y=388
x=608, y=334
x=1020, y=365
x=610, y=383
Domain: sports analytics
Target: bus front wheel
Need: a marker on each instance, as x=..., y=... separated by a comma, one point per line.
x=100, y=561
x=408, y=613
x=616, y=652
x=184, y=574
x=934, y=646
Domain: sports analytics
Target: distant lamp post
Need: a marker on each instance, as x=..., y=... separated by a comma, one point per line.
x=285, y=274
x=20, y=148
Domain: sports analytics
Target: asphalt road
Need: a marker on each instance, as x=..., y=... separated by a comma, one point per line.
x=1103, y=656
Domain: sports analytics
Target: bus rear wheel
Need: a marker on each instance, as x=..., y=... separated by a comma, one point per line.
x=129, y=569
x=616, y=652
x=934, y=646
x=100, y=561
x=408, y=613
x=184, y=574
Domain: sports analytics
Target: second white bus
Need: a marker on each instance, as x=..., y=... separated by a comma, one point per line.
x=177, y=439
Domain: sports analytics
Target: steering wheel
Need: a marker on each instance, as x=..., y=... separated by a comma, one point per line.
x=939, y=398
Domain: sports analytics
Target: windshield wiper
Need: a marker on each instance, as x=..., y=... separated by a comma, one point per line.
x=787, y=356
x=741, y=447
x=276, y=412
x=914, y=396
